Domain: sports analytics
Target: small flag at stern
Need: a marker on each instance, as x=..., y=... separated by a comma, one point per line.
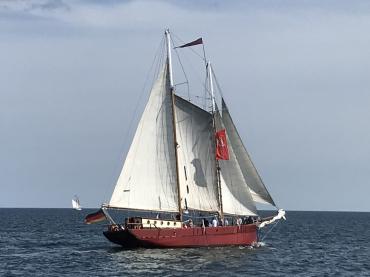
x=95, y=217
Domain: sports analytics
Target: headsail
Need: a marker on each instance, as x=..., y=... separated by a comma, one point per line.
x=148, y=178
x=236, y=197
x=250, y=174
x=196, y=157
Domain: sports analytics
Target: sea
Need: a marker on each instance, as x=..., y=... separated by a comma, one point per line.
x=56, y=242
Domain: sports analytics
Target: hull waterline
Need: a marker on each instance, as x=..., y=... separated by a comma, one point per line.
x=184, y=237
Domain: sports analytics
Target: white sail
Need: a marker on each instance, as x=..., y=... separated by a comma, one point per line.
x=76, y=204
x=250, y=174
x=231, y=204
x=148, y=178
x=196, y=157
x=236, y=197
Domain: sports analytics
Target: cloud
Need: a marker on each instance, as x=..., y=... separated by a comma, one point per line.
x=294, y=75
x=34, y=6
x=126, y=14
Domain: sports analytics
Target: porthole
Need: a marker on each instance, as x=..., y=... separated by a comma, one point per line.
x=168, y=223
x=148, y=222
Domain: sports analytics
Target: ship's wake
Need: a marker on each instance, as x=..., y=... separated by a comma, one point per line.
x=254, y=245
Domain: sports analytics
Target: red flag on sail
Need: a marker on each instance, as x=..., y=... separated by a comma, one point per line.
x=95, y=217
x=195, y=42
x=222, y=152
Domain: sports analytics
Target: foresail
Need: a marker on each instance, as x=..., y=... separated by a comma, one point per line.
x=148, y=178
x=250, y=174
x=236, y=197
x=196, y=157
x=232, y=204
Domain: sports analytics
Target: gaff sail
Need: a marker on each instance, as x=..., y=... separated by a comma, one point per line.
x=197, y=174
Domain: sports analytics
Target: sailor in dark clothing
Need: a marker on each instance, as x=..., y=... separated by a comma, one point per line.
x=205, y=222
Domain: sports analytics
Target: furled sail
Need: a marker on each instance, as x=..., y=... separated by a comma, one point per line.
x=236, y=197
x=148, y=178
x=197, y=174
x=250, y=174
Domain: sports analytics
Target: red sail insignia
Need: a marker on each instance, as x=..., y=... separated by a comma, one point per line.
x=95, y=217
x=222, y=152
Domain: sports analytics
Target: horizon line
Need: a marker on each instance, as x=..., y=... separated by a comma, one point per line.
x=92, y=208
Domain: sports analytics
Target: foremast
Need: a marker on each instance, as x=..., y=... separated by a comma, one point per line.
x=172, y=91
x=217, y=166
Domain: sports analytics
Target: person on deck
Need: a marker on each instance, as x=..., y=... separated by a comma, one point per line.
x=214, y=222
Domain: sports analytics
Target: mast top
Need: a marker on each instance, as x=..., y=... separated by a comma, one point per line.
x=168, y=42
x=210, y=74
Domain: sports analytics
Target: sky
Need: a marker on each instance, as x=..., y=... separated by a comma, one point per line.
x=295, y=75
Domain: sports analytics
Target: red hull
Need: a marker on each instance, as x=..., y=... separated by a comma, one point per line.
x=185, y=237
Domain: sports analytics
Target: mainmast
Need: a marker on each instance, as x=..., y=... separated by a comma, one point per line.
x=218, y=178
x=172, y=89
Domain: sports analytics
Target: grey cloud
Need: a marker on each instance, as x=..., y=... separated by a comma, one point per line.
x=294, y=75
x=49, y=5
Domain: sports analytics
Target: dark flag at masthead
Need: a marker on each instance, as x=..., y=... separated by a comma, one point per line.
x=195, y=42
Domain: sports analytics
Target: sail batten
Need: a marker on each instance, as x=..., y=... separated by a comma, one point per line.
x=148, y=177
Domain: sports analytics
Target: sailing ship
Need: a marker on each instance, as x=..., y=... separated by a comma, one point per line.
x=188, y=166
x=76, y=203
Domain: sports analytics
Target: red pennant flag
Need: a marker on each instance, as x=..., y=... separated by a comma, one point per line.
x=95, y=217
x=195, y=42
x=222, y=153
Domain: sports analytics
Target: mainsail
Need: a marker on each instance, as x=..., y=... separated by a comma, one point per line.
x=148, y=178
x=197, y=173
x=250, y=174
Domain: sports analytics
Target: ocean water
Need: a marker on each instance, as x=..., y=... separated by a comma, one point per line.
x=55, y=242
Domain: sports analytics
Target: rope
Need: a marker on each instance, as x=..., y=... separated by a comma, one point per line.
x=194, y=69
x=273, y=226
x=183, y=71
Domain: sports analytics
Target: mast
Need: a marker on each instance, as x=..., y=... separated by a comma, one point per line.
x=169, y=61
x=218, y=178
